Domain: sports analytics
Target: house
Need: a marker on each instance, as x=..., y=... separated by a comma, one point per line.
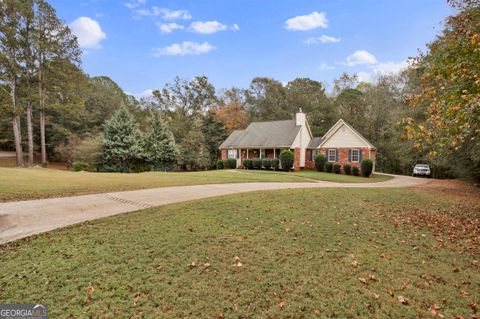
x=341, y=144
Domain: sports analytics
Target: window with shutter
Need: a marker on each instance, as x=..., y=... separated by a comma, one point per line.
x=332, y=155
x=355, y=155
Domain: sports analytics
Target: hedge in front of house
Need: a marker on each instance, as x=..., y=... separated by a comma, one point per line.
x=220, y=164
x=328, y=167
x=275, y=163
x=287, y=159
x=320, y=161
x=347, y=169
x=247, y=164
x=336, y=168
x=267, y=163
x=257, y=163
x=355, y=171
x=367, y=167
x=230, y=163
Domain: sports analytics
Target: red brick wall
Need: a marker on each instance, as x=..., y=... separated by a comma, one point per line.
x=296, y=160
x=223, y=154
x=342, y=157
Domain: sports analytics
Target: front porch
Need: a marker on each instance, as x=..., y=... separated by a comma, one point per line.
x=242, y=154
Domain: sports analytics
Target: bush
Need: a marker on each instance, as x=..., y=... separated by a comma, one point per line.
x=257, y=163
x=347, y=169
x=367, y=167
x=287, y=159
x=248, y=164
x=320, y=161
x=328, y=167
x=275, y=163
x=78, y=166
x=267, y=163
x=336, y=168
x=355, y=171
x=219, y=164
x=230, y=163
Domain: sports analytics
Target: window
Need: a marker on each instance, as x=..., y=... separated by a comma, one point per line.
x=332, y=155
x=232, y=154
x=355, y=155
x=313, y=154
x=262, y=154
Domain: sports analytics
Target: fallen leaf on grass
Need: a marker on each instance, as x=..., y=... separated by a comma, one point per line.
x=433, y=311
x=281, y=304
x=464, y=293
x=363, y=280
x=403, y=300
x=375, y=296
x=90, y=290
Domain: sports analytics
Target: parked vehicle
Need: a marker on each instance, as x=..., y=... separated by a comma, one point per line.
x=421, y=170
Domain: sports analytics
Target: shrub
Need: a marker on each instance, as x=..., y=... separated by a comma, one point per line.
x=257, y=163
x=328, y=167
x=287, y=158
x=336, y=168
x=320, y=161
x=78, y=166
x=367, y=167
x=247, y=164
x=267, y=163
x=355, y=171
x=275, y=163
x=230, y=163
x=219, y=164
x=347, y=169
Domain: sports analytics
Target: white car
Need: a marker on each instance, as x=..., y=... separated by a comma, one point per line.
x=421, y=170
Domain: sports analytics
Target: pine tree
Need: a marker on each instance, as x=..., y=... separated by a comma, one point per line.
x=121, y=142
x=159, y=144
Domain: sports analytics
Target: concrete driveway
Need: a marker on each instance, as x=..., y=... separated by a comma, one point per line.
x=25, y=218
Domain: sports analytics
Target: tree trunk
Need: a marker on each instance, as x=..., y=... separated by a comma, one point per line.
x=18, y=139
x=42, y=137
x=30, y=134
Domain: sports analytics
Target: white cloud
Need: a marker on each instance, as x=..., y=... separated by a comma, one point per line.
x=169, y=27
x=145, y=94
x=235, y=27
x=184, y=48
x=88, y=32
x=135, y=3
x=307, y=22
x=365, y=77
x=389, y=67
x=325, y=66
x=360, y=57
x=165, y=13
x=322, y=39
x=207, y=27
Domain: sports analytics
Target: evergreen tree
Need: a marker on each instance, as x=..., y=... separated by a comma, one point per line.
x=159, y=144
x=121, y=142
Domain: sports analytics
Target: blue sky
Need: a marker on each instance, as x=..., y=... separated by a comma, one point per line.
x=142, y=44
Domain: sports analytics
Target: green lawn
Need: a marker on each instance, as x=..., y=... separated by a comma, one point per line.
x=18, y=184
x=343, y=253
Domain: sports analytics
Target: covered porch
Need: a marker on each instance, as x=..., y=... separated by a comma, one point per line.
x=252, y=153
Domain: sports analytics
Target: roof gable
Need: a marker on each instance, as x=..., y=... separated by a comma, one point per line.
x=343, y=135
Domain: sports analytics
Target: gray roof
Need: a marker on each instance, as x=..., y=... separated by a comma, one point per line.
x=264, y=134
x=315, y=142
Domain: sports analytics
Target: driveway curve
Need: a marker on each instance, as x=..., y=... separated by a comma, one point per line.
x=26, y=218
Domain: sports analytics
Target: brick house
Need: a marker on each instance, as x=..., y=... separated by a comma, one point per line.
x=341, y=144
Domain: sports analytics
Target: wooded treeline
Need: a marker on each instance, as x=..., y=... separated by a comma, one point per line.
x=427, y=113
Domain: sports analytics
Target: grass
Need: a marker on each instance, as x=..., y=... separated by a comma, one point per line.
x=342, y=178
x=283, y=254
x=21, y=184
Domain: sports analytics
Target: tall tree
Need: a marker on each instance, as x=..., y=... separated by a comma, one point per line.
x=309, y=96
x=231, y=110
x=11, y=67
x=55, y=41
x=266, y=100
x=159, y=145
x=451, y=94
x=121, y=141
